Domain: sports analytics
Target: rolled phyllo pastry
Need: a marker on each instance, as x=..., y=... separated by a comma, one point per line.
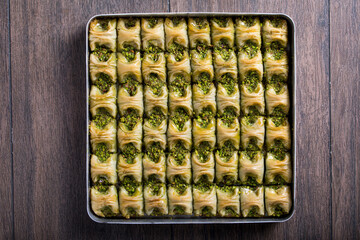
x=203, y=163
x=154, y=67
x=247, y=28
x=104, y=201
x=131, y=199
x=154, y=163
x=103, y=130
x=155, y=126
x=277, y=99
x=130, y=129
x=179, y=128
x=251, y=167
x=275, y=30
x=102, y=65
x=130, y=163
x=180, y=199
x=251, y=65
x=252, y=98
x=178, y=167
x=179, y=67
x=223, y=32
x=152, y=33
x=129, y=66
x=156, y=97
x=278, y=168
x=204, y=200
x=199, y=33
x=204, y=127
x=102, y=34
x=204, y=95
x=252, y=132
x=225, y=64
x=180, y=93
x=278, y=200
x=130, y=96
x=278, y=133
x=276, y=63
x=228, y=128
x=228, y=204
x=252, y=201
x=103, y=166
x=176, y=33
x=155, y=197
x=128, y=33
x=227, y=164
x=103, y=97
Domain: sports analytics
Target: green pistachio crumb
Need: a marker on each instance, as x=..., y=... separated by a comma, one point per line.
x=153, y=22
x=129, y=153
x=203, y=151
x=130, y=118
x=228, y=116
x=226, y=151
x=180, y=117
x=155, y=83
x=179, y=85
x=179, y=153
x=250, y=48
x=102, y=152
x=130, y=185
x=107, y=211
x=204, y=82
x=221, y=21
x=102, y=118
x=178, y=50
x=228, y=83
x=103, y=82
x=155, y=151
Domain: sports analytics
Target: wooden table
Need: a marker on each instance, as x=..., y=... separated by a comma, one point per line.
x=42, y=122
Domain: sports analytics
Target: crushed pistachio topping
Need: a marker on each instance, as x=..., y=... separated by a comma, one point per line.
x=223, y=49
x=250, y=48
x=254, y=212
x=203, y=184
x=202, y=49
x=103, y=54
x=277, y=50
x=102, y=188
x=253, y=110
x=130, y=185
x=251, y=119
x=279, y=211
x=155, y=151
x=221, y=21
x=154, y=52
x=130, y=118
x=156, y=212
x=107, y=211
x=178, y=50
x=201, y=22
x=204, y=82
x=205, y=117
x=103, y=24
x=129, y=153
x=153, y=22
x=226, y=151
x=228, y=83
x=179, y=85
x=279, y=153
x=251, y=80
x=129, y=52
x=227, y=189
x=277, y=82
x=155, y=188
x=130, y=23
x=248, y=20
x=251, y=154
x=278, y=180
x=130, y=84
x=179, y=210
x=277, y=22
x=278, y=111
x=230, y=212
x=252, y=145
x=251, y=181
x=132, y=212
x=102, y=152
x=180, y=117
x=103, y=82
x=228, y=116
x=203, y=151
x=156, y=116
x=179, y=185
x=102, y=118
x=103, y=180
x=179, y=152
x=176, y=20
x=155, y=83
x=281, y=120
x=206, y=211
x=228, y=180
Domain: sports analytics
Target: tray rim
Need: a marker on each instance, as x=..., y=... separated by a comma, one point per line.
x=194, y=219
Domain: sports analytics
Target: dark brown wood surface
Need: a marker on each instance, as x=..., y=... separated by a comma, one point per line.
x=42, y=122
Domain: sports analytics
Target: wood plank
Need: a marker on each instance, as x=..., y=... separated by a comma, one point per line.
x=48, y=69
x=313, y=211
x=6, y=181
x=345, y=123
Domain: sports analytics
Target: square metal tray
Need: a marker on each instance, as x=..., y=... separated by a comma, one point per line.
x=194, y=219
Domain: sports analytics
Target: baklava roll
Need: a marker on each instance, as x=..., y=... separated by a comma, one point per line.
x=102, y=65
x=252, y=132
x=130, y=96
x=225, y=64
x=252, y=201
x=152, y=33
x=102, y=34
x=278, y=133
x=228, y=204
x=204, y=96
x=176, y=34
x=156, y=96
x=247, y=28
x=131, y=200
x=277, y=99
x=203, y=163
x=103, y=166
x=275, y=30
x=204, y=127
x=178, y=67
x=278, y=200
x=130, y=129
x=180, y=94
x=199, y=33
x=223, y=32
x=154, y=163
x=179, y=128
x=104, y=201
x=276, y=65
x=154, y=66
x=103, y=130
x=103, y=97
x=252, y=98
x=228, y=128
x=204, y=200
x=278, y=168
x=155, y=197
x=128, y=32
x=130, y=163
x=180, y=199
x=251, y=65
x=251, y=168
x=129, y=66
x=178, y=167
x=226, y=164
x=201, y=64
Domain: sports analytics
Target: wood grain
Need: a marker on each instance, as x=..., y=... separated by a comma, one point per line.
x=345, y=112
x=48, y=69
x=313, y=172
x=6, y=181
